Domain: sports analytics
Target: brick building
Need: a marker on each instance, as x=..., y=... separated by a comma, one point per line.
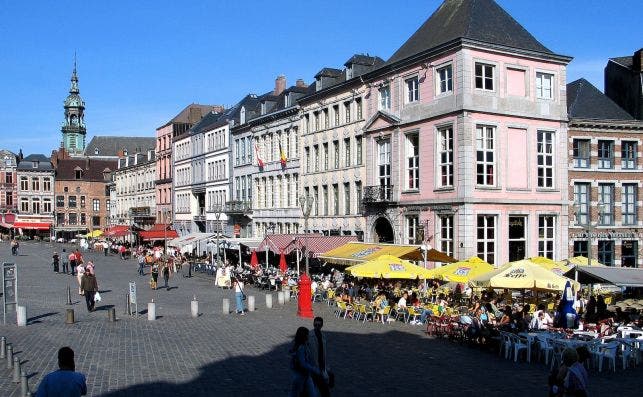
x=8, y=190
x=35, y=176
x=605, y=176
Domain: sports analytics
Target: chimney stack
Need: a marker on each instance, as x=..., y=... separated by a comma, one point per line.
x=280, y=85
x=300, y=83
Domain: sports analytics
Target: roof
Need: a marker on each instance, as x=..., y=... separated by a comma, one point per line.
x=329, y=72
x=479, y=20
x=316, y=245
x=205, y=123
x=619, y=276
x=193, y=113
x=278, y=242
x=44, y=162
x=367, y=60
x=109, y=146
x=627, y=62
x=92, y=168
x=584, y=101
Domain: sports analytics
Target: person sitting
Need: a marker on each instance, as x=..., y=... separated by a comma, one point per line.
x=536, y=323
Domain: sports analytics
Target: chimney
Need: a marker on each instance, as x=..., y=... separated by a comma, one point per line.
x=300, y=83
x=280, y=85
x=638, y=61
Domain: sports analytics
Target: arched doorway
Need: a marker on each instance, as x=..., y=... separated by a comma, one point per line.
x=383, y=231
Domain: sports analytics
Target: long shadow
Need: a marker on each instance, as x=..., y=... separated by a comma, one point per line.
x=30, y=319
x=104, y=307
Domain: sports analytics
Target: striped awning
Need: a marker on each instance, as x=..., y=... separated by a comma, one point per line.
x=278, y=242
x=32, y=225
x=354, y=253
x=317, y=245
x=159, y=232
x=117, y=231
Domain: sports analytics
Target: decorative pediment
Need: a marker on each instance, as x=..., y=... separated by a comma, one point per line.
x=381, y=121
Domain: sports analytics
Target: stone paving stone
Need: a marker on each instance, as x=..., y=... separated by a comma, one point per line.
x=225, y=355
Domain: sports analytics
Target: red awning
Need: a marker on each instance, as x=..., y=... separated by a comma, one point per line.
x=32, y=225
x=159, y=232
x=6, y=225
x=318, y=244
x=278, y=242
x=117, y=231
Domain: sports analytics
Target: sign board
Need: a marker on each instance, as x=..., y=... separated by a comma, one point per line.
x=9, y=289
x=132, y=292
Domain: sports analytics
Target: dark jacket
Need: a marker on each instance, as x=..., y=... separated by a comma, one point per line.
x=88, y=283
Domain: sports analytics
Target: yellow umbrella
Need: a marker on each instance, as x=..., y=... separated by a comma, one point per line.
x=522, y=274
x=388, y=266
x=549, y=264
x=463, y=271
x=95, y=233
x=582, y=261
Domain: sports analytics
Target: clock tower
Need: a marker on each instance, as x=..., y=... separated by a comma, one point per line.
x=73, y=128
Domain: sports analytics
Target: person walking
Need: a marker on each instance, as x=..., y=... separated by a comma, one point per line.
x=166, y=274
x=56, y=259
x=317, y=347
x=141, y=264
x=65, y=262
x=14, y=247
x=65, y=382
x=155, y=276
x=89, y=285
x=239, y=294
x=72, y=262
x=80, y=271
x=302, y=366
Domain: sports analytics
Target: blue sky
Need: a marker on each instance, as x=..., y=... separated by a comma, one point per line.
x=141, y=62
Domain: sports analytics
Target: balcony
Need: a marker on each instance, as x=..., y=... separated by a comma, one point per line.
x=163, y=181
x=377, y=195
x=238, y=207
x=200, y=216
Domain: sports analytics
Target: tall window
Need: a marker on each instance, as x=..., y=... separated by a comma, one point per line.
x=8, y=199
x=628, y=155
x=412, y=161
x=35, y=184
x=325, y=197
x=35, y=204
x=358, y=150
x=358, y=196
x=72, y=202
x=545, y=159
x=385, y=98
x=24, y=205
x=412, y=90
x=412, y=229
x=606, y=252
x=307, y=155
x=8, y=177
x=581, y=153
x=46, y=184
x=486, y=238
x=73, y=218
x=358, y=108
x=606, y=197
x=316, y=153
x=347, y=198
x=96, y=205
x=484, y=76
x=446, y=157
x=347, y=152
x=336, y=114
x=582, y=201
x=316, y=121
x=336, y=153
x=326, y=118
x=325, y=156
x=316, y=199
x=517, y=238
x=384, y=166
x=445, y=79
x=628, y=204
x=46, y=206
x=82, y=201
x=83, y=218
x=446, y=234
x=24, y=183
x=605, y=154
x=347, y=111
x=60, y=201
x=544, y=85
x=335, y=199
x=546, y=239
x=485, y=155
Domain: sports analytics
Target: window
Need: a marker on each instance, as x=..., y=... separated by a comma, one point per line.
x=384, y=168
x=581, y=203
x=347, y=111
x=35, y=205
x=307, y=123
x=307, y=155
x=446, y=234
x=8, y=177
x=446, y=157
x=606, y=252
x=445, y=79
x=358, y=150
x=347, y=199
x=83, y=218
x=35, y=184
x=46, y=184
x=413, y=230
x=580, y=248
x=605, y=154
x=628, y=155
x=60, y=201
x=79, y=174
x=24, y=183
x=316, y=153
x=347, y=152
x=358, y=109
x=629, y=253
x=326, y=119
x=325, y=197
x=335, y=199
x=606, y=197
x=73, y=218
x=545, y=159
x=96, y=205
x=46, y=206
x=546, y=240
x=82, y=201
x=336, y=114
x=517, y=238
x=581, y=153
x=336, y=153
x=412, y=161
x=316, y=120
x=485, y=155
x=412, y=90
x=316, y=199
x=385, y=98
x=486, y=238
x=24, y=205
x=8, y=199
x=358, y=195
x=544, y=85
x=325, y=156
x=628, y=205
x=484, y=76
x=72, y=202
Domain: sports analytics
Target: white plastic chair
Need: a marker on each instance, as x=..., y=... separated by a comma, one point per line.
x=517, y=345
x=505, y=344
x=544, y=347
x=606, y=351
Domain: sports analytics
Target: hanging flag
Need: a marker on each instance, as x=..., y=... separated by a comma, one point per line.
x=259, y=160
x=282, y=155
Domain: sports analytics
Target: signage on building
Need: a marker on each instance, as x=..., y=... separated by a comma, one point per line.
x=607, y=235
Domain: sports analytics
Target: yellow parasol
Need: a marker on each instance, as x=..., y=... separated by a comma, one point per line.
x=95, y=233
x=388, y=266
x=582, y=261
x=549, y=264
x=522, y=274
x=463, y=271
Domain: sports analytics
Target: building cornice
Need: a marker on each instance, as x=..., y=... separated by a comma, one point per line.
x=602, y=124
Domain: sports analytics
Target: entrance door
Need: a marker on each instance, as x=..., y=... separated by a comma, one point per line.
x=629, y=251
x=383, y=231
x=517, y=238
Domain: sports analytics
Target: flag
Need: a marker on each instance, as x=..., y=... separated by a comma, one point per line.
x=259, y=160
x=282, y=155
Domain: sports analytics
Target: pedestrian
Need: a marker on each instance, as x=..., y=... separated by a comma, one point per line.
x=239, y=295
x=80, y=271
x=141, y=264
x=317, y=347
x=89, y=285
x=56, y=259
x=65, y=262
x=122, y=250
x=302, y=366
x=14, y=247
x=166, y=274
x=65, y=382
x=72, y=262
x=155, y=276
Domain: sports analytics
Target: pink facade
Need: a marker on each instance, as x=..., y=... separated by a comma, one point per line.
x=164, y=174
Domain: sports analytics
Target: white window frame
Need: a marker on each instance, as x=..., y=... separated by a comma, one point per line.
x=629, y=207
x=581, y=202
x=412, y=228
x=581, y=151
x=412, y=90
x=412, y=163
x=544, y=85
x=487, y=75
x=445, y=157
x=487, y=222
x=547, y=236
x=444, y=79
x=545, y=158
x=384, y=98
x=485, y=145
x=446, y=234
x=629, y=152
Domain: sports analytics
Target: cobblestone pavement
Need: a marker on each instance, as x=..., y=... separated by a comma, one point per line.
x=217, y=354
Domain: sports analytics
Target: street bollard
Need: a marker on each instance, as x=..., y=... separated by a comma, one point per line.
x=21, y=313
x=69, y=295
x=194, y=308
x=128, y=307
x=3, y=347
x=226, y=306
x=251, y=303
x=24, y=384
x=269, y=301
x=111, y=314
x=151, y=311
x=69, y=319
x=280, y=298
x=9, y=356
x=16, y=369
x=287, y=295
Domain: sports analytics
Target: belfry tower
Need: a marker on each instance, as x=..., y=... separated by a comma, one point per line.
x=73, y=128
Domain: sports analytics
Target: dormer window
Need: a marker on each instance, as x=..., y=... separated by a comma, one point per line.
x=78, y=173
x=125, y=152
x=349, y=73
x=96, y=151
x=263, y=108
x=35, y=164
x=242, y=115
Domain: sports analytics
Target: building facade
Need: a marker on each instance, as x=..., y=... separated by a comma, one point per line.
x=8, y=190
x=134, y=178
x=624, y=83
x=605, y=174
x=35, y=176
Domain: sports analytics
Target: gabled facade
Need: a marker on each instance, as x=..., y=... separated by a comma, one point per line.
x=135, y=204
x=8, y=188
x=466, y=138
x=35, y=176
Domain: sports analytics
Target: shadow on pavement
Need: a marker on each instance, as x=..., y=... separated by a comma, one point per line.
x=104, y=307
x=31, y=319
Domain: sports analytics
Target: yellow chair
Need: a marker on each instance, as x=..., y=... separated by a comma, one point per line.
x=413, y=314
x=550, y=306
x=608, y=300
x=384, y=314
x=342, y=308
x=330, y=296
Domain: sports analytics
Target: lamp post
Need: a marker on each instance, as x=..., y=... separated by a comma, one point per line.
x=304, y=301
x=270, y=226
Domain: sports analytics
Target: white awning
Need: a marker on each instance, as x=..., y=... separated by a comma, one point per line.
x=252, y=243
x=190, y=238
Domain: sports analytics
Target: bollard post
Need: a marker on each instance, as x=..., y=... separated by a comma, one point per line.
x=226, y=306
x=194, y=308
x=24, y=384
x=287, y=295
x=21, y=314
x=128, y=309
x=69, y=319
x=251, y=303
x=9, y=356
x=111, y=314
x=269, y=301
x=68, y=295
x=151, y=311
x=3, y=347
x=280, y=298
x=16, y=369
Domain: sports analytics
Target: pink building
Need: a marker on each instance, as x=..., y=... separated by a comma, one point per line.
x=467, y=138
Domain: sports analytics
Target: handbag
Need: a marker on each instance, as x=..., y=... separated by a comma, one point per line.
x=97, y=297
x=244, y=297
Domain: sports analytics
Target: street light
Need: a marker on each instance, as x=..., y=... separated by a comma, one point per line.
x=306, y=205
x=304, y=304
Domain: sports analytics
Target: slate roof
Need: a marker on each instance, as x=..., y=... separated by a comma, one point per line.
x=184, y=115
x=109, y=146
x=205, y=123
x=92, y=168
x=627, y=62
x=329, y=72
x=479, y=20
x=27, y=163
x=360, y=59
x=584, y=101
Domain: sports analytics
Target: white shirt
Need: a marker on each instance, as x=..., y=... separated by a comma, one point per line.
x=401, y=302
x=313, y=286
x=239, y=287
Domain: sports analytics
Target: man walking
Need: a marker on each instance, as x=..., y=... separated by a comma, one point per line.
x=317, y=346
x=65, y=382
x=72, y=262
x=89, y=285
x=141, y=264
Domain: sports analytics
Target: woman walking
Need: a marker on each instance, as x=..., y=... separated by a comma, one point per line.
x=90, y=286
x=238, y=294
x=155, y=276
x=166, y=274
x=80, y=271
x=56, y=259
x=302, y=366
